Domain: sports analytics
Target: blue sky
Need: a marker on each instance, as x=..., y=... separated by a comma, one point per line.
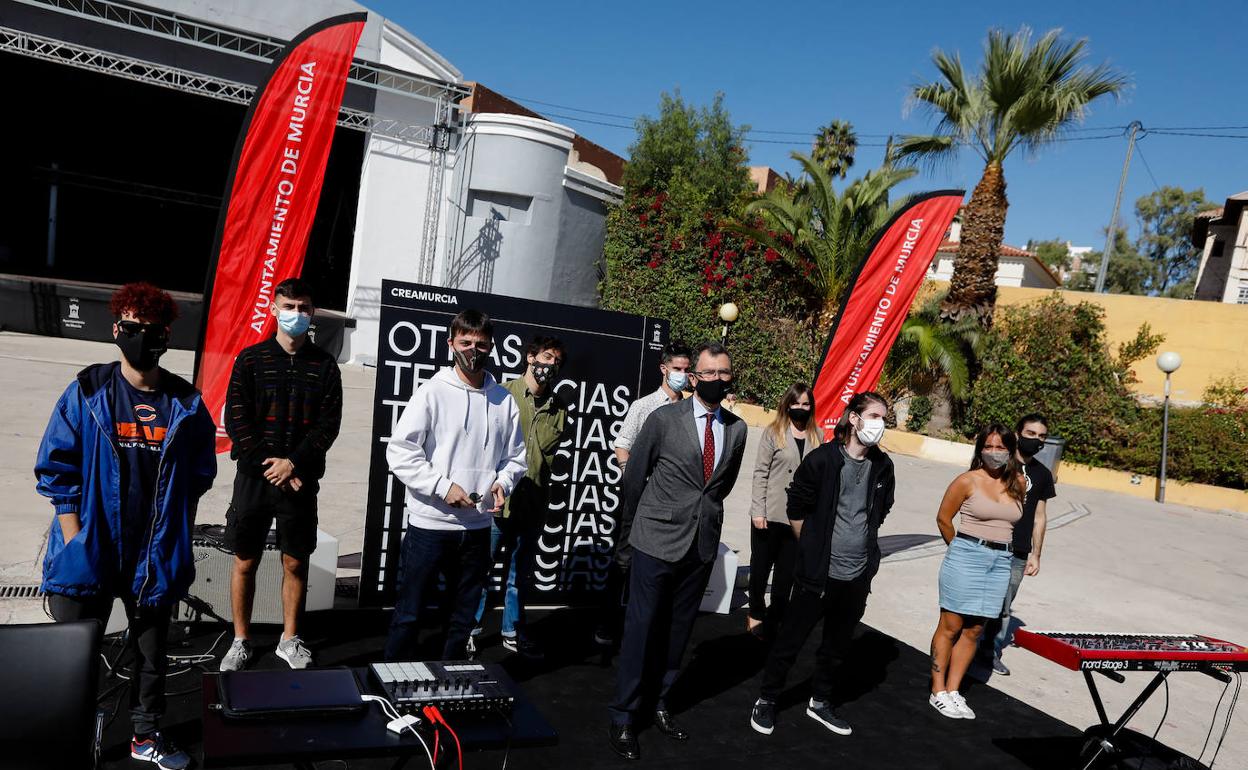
x=793, y=66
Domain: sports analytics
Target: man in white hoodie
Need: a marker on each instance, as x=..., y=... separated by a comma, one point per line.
x=459, y=450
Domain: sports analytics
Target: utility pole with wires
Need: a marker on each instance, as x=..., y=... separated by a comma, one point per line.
x=1135, y=128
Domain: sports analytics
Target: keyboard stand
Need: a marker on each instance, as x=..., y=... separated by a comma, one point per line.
x=1103, y=734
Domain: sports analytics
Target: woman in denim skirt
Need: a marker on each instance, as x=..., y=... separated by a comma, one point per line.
x=976, y=569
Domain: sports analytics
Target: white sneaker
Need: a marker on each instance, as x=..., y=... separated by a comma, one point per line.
x=235, y=659
x=960, y=702
x=294, y=652
x=945, y=705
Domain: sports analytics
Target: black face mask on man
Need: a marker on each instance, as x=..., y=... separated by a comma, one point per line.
x=544, y=373
x=1030, y=447
x=141, y=345
x=712, y=391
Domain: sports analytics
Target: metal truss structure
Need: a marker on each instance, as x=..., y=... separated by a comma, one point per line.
x=439, y=143
x=436, y=137
x=151, y=73
x=247, y=45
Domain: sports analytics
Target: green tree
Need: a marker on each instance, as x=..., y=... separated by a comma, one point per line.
x=1054, y=253
x=1166, y=218
x=667, y=255
x=823, y=233
x=834, y=147
x=1053, y=357
x=1130, y=272
x=1025, y=95
x=929, y=352
x=693, y=155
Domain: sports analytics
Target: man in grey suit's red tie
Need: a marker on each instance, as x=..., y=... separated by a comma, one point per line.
x=680, y=468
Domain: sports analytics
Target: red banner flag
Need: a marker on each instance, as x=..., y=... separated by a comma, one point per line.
x=878, y=300
x=272, y=195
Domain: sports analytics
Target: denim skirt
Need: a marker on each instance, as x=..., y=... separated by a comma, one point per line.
x=974, y=579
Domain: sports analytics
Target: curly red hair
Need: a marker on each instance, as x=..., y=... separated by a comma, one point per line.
x=147, y=302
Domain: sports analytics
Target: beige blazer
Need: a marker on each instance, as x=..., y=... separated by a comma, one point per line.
x=773, y=470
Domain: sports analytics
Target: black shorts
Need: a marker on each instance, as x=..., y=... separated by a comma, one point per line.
x=256, y=504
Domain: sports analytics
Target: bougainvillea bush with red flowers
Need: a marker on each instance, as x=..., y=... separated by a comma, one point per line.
x=669, y=253
x=661, y=262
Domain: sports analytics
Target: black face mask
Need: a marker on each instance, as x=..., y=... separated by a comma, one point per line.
x=1030, y=447
x=799, y=413
x=544, y=373
x=712, y=391
x=143, y=349
x=471, y=360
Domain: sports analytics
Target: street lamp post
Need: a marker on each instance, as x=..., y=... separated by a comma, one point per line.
x=1169, y=363
x=728, y=313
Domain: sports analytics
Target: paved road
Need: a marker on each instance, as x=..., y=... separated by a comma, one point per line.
x=1116, y=564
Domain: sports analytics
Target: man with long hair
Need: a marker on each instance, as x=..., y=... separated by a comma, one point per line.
x=839, y=498
x=128, y=452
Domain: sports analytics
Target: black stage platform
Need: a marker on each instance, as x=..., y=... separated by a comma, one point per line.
x=883, y=687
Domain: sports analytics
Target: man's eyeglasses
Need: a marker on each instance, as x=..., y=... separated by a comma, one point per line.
x=711, y=374
x=131, y=328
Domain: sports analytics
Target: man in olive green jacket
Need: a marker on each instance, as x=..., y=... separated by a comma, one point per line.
x=543, y=418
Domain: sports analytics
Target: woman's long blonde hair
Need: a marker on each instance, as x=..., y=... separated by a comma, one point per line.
x=780, y=423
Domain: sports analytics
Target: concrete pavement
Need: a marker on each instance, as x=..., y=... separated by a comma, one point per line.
x=1129, y=565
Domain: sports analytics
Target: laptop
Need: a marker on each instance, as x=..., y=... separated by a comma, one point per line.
x=289, y=692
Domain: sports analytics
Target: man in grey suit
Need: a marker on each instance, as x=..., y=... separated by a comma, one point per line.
x=681, y=467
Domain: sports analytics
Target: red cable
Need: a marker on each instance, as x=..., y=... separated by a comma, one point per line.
x=436, y=734
x=433, y=713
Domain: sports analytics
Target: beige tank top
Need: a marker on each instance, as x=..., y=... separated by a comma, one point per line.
x=988, y=519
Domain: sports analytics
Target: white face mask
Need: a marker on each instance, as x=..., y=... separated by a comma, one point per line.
x=871, y=432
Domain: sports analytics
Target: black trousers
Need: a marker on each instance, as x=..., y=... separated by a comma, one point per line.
x=663, y=601
x=772, y=548
x=149, y=640
x=840, y=608
x=609, y=614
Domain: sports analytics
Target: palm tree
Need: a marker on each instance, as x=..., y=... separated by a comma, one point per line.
x=834, y=147
x=822, y=233
x=1024, y=96
x=930, y=350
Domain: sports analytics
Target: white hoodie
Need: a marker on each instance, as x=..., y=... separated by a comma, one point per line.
x=452, y=432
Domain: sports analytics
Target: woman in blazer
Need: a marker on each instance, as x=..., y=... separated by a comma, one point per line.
x=772, y=545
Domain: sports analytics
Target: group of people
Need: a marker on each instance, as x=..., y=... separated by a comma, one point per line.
x=130, y=450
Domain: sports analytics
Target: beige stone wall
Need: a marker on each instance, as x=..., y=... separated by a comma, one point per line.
x=1212, y=337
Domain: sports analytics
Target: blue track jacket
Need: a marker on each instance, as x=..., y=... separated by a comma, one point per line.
x=79, y=469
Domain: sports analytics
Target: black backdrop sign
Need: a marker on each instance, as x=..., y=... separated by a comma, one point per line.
x=612, y=358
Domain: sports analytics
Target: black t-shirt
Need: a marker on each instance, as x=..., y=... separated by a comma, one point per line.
x=140, y=423
x=1039, y=487
x=801, y=446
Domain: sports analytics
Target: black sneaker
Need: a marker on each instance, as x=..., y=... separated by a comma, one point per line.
x=823, y=714
x=160, y=751
x=763, y=717
x=526, y=648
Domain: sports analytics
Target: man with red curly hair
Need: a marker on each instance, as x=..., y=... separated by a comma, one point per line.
x=128, y=452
